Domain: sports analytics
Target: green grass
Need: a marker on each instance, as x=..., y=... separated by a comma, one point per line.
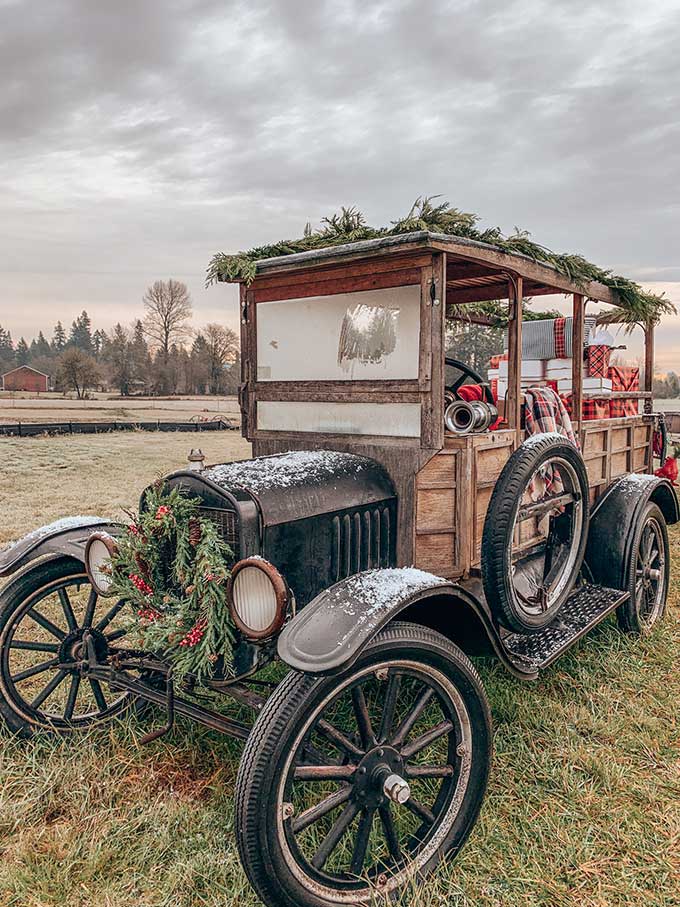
x=583, y=807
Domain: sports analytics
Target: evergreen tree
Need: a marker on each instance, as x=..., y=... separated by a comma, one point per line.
x=7, y=358
x=81, y=334
x=58, y=338
x=22, y=353
x=141, y=360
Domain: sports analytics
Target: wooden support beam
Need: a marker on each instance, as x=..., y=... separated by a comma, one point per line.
x=649, y=365
x=513, y=399
x=577, y=358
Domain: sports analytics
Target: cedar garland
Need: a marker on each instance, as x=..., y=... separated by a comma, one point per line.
x=349, y=225
x=172, y=567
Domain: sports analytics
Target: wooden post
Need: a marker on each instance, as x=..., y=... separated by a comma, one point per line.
x=649, y=366
x=578, y=314
x=513, y=400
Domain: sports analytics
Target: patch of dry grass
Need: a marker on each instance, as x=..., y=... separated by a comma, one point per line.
x=45, y=478
x=18, y=407
x=583, y=809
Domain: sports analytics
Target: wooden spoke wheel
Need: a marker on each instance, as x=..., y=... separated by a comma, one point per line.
x=648, y=574
x=356, y=784
x=49, y=617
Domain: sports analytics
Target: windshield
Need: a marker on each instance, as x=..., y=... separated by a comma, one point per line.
x=370, y=335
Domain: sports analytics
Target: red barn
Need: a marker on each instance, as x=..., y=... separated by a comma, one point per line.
x=25, y=378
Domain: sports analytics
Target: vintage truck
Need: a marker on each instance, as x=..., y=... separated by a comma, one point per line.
x=383, y=535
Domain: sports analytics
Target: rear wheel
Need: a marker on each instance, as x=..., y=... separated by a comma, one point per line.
x=351, y=786
x=46, y=615
x=648, y=574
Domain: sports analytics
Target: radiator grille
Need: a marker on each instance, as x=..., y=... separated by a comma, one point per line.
x=226, y=522
x=360, y=541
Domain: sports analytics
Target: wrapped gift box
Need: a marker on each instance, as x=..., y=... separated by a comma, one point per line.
x=624, y=378
x=591, y=409
x=590, y=385
x=598, y=360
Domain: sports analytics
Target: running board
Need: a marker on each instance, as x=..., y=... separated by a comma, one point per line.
x=583, y=610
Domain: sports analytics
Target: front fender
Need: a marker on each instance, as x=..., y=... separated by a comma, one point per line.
x=66, y=536
x=613, y=521
x=330, y=633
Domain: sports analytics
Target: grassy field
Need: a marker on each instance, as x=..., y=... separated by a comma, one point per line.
x=583, y=808
x=19, y=407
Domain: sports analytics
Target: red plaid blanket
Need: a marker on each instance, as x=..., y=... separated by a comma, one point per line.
x=545, y=412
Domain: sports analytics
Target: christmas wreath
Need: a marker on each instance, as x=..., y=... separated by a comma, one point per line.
x=172, y=566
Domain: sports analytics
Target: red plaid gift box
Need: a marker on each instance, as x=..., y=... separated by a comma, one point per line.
x=592, y=409
x=598, y=361
x=560, y=339
x=624, y=378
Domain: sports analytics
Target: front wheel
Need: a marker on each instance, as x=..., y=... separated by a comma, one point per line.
x=352, y=786
x=46, y=614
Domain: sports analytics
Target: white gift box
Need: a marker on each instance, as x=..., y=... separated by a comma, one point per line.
x=591, y=385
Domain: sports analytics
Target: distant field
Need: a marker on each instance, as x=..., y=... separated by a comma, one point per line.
x=105, y=407
x=45, y=478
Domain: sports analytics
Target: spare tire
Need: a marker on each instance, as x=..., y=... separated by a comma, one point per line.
x=535, y=533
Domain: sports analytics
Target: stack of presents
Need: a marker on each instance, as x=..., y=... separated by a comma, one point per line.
x=547, y=362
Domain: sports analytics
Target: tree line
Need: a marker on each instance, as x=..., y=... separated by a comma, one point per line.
x=159, y=354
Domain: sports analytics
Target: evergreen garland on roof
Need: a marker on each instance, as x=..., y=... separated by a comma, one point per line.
x=349, y=225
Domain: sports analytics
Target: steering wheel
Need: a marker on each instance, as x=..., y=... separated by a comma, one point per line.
x=467, y=372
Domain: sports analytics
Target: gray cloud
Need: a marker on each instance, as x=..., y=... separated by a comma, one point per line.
x=138, y=138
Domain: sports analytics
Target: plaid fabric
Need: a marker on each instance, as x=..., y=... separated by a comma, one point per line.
x=560, y=340
x=591, y=409
x=545, y=412
x=624, y=378
x=598, y=361
x=595, y=409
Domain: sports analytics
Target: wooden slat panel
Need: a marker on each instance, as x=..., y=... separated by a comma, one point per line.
x=620, y=439
x=596, y=469
x=640, y=457
x=594, y=441
x=490, y=462
x=343, y=271
x=440, y=472
x=436, y=509
x=436, y=553
x=403, y=278
x=618, y=464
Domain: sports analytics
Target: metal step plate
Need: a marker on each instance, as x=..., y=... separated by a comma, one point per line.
x=582, y=611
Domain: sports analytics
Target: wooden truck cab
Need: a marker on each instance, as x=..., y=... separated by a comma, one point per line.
x=310, y=381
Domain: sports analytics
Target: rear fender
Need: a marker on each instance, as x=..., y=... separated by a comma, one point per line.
x=67, y=536
x=330, y=633
x=613, y=521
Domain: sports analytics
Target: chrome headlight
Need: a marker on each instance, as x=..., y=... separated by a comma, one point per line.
x=258, y=598
x=99, y=550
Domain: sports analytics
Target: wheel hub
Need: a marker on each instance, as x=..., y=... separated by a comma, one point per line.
x=73, y=649
x=378, y=776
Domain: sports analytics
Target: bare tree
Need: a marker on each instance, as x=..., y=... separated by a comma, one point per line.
x=168, y=311
x=77, y=371
x=222, y=350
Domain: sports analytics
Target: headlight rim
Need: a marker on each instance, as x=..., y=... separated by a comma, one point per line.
x=110, y=544
x=281, y=592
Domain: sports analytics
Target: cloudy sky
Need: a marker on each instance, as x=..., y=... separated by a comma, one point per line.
x=137, y=138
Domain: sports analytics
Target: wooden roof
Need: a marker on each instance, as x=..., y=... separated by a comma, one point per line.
x=475, y=271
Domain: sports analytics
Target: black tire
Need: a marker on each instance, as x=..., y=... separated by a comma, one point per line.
x=274, y=859
x=647, y=574
x=24, y=642
x=500, y=575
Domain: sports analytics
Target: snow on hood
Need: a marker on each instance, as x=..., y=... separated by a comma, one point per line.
x=287, y=470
